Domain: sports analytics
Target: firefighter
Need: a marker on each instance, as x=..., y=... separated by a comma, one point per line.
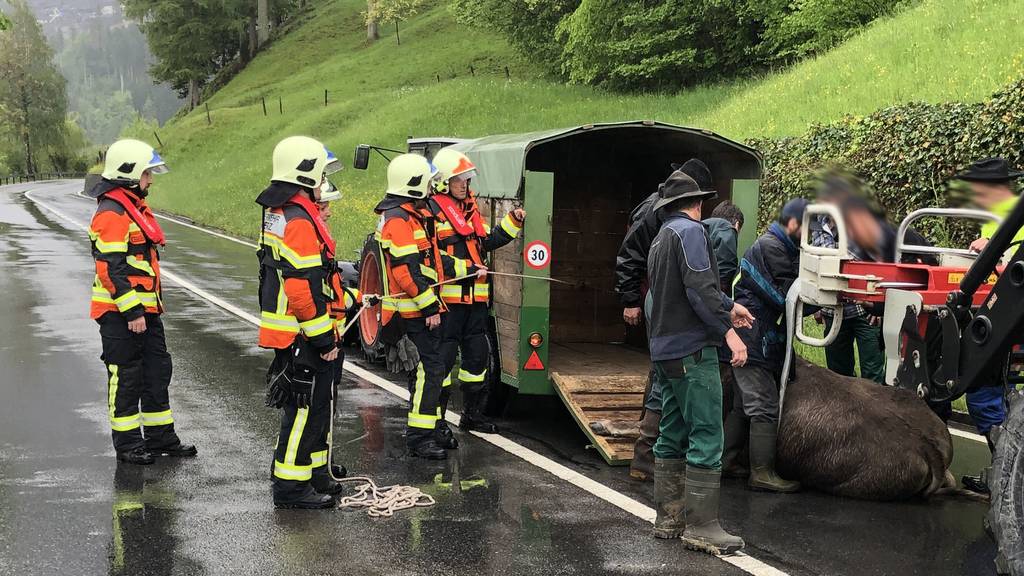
x=126, y=303
x=415, y=266
x=464, y=234
x=690, y=317
x=296, y=255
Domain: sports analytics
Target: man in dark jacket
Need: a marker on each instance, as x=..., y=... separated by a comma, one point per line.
x=630, y=272
x=767, y=271
x=724, y=227
x=690, y=317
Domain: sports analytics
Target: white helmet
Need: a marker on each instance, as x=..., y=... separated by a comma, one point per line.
x=452, y=164
x=329, y=192
x=127, y=159
x=410, y=175
x=304, y=161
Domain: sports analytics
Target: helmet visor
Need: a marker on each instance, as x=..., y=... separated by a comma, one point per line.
x=465, y=176
x=333, y=164
x=156, y=165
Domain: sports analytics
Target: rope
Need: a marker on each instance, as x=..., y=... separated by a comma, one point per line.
x=383, y=502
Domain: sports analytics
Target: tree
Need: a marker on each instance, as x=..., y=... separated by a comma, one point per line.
x=372, y=33
x=391, y=11
x=32, y=100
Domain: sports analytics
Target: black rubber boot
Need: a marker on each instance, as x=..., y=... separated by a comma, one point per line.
x=642, y=466
x=477, y=422
x=427, y=449
x=669, y=497
x=139, y=456
x=703, y=532
x=299, y=495
x=762, y=460
x=736, y=432
x=177, y=451
x=323, y=483
x=443, y=434
x=339, y=471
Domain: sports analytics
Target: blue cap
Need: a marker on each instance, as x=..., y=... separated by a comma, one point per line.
x=795, y=208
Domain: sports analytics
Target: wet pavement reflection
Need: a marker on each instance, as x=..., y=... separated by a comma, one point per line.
x=67, y=508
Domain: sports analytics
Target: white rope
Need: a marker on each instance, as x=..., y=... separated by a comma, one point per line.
x=383, y=502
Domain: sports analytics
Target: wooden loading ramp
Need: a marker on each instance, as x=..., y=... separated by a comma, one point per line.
x=602, y=384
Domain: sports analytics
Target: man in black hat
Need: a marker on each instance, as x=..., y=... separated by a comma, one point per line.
x=689, y=318
x=990, y=181
x=630, y=273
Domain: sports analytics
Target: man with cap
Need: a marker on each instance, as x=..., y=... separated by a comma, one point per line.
x=689, y=318
x=630, y=273
x=767, y=271
x=990, y=181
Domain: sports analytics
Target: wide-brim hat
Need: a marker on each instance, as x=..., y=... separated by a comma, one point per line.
x=697, y=170
x=679, y=186
x=989, y=170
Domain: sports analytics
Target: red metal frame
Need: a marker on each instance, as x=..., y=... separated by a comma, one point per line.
x=937, y=281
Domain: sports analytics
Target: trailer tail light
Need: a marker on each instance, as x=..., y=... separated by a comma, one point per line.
x=536, y=340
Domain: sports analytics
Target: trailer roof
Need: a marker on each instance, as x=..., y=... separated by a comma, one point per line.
x=501, y=158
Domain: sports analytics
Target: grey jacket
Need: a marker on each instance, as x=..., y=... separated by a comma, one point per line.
x=689, y=310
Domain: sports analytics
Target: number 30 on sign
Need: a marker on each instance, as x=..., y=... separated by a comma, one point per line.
x=537, y=255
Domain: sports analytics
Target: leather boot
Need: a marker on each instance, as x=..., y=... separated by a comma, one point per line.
x=762, y=460
x=323, y=483
x=669, y=497
x=139, y=456
x=642, y=466
x=736, y=431
x=443, y=434
x=177, y=451
x=299, y=495
x=703, y=532
x=427, y=449
x=473, y=413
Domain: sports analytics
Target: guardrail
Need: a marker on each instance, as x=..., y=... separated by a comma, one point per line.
x=19, y=178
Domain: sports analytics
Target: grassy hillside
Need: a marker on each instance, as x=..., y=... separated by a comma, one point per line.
x=383, y=92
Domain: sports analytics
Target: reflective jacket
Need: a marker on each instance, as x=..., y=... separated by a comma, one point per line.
x=296, y=261
x=412, y=259
x=127, y=261
x=343, y=304
x=470, y=238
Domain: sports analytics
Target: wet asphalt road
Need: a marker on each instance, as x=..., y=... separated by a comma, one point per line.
x=66, y=508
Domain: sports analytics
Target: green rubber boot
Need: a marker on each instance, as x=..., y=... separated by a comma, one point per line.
x=703, y=532
x=762, y=460
x=669, y=497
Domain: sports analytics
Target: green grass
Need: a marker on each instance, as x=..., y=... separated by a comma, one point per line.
x=381, y=93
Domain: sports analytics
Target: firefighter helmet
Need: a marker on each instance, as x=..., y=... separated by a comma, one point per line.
x=127, y=159
x=304, y=161
x=410, y=175
x=451, y=164
x=329, y=192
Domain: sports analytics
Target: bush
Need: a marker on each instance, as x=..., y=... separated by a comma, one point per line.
x=906, y=153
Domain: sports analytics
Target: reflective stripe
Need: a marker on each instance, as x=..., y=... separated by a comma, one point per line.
x=400, y=251
x=127, y=301
x=451, y=291
x=416, y=419
x=118, y=423
x=125, y=423
x=301, y=415
x=340, y=325
x=481, y=289
x=282, y=298
x=316, y=326
x=428, y=272
x=157, y=418
x=108, y=247
x=509, y=226
x=421, y=421
x=447, y=381
x=149, y=299
x=444, y=226
x=419, y=235
x=424, y=299
x=318, y=458
x=470, y=377
x=400, y=304
x=293, y=257
x=280, y=322
x=487, y=228
x=140, y=265
x=292, y=471
x=460, y=267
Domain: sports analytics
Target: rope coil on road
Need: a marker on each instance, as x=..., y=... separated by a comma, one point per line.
x=383, y=502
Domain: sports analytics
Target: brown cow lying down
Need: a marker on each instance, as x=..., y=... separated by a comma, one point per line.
x=852, y=437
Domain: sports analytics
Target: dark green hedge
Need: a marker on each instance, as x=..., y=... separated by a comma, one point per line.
x=906, y=153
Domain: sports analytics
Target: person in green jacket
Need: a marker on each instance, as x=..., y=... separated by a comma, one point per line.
x=991, y=182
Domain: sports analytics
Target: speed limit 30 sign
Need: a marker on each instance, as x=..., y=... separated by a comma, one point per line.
x=537, y=255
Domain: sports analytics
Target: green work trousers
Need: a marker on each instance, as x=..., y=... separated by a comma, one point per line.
x=839, y=354
x=691, y=410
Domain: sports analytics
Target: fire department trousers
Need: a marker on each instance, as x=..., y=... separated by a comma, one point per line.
x=691, y=413
x=464, y=329
x=138, y=374
x=424, y=382
x=302, y=442
x=320, y=448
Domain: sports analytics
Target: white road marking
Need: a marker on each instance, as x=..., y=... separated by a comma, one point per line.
x=967, y=435
x=740, y=560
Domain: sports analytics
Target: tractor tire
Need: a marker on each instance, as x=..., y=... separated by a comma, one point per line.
x=1006, y=516
x=370, y=274
x=499, y=393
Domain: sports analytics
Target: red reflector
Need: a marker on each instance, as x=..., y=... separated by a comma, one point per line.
x=533, y=362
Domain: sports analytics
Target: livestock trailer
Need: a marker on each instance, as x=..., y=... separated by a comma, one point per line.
x=578, y=186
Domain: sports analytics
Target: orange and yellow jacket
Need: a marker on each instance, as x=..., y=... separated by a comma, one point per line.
x=124, y=236
x=464, y=234
x=343, y=304
x=413, y=260
x=296, y=257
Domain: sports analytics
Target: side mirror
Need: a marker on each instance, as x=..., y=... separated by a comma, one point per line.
x=362, y=157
